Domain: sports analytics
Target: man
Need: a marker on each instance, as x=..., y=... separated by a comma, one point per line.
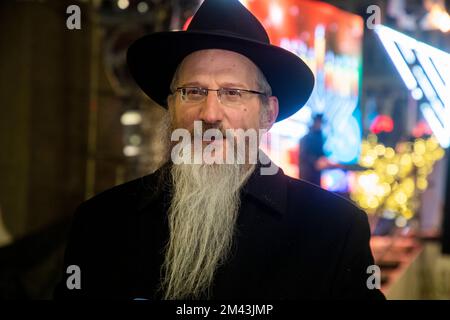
x=212, y=230
x=312, y=158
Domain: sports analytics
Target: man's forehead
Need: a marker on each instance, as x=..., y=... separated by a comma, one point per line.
x=219, y=62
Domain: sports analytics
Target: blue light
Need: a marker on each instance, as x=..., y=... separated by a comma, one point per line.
x=334, y=180
x=417, y=94
x=386, y=36
x=423, y=77
x=343, y=145
x=434, y=123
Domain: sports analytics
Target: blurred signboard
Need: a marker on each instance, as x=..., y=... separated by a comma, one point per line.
x=329, y=40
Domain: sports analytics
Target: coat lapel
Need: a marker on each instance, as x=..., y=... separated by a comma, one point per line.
x=270, y=190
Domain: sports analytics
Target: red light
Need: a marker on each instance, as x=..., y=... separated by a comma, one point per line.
x=382, y=123
x=421, y=129
x=186, y=24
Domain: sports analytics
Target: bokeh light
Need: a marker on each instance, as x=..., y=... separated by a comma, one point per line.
x=393, y=179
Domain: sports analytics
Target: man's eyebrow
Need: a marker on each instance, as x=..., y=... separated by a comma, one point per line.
x=236, y=85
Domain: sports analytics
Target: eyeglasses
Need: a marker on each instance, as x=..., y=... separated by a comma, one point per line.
x=227, y=96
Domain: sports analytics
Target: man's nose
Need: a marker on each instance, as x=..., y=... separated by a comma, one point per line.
x=212, y=109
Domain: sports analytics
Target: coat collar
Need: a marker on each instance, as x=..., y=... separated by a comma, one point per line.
x=153, y=185
x=269, y=190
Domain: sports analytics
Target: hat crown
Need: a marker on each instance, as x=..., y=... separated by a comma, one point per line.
x=228, y=17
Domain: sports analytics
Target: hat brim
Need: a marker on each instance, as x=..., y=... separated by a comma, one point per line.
x=153, y=59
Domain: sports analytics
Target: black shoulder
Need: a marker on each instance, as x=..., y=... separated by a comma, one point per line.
x=127, y=195
x=116, y=194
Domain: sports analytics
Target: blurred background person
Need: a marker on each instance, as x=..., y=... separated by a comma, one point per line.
x=312, y=158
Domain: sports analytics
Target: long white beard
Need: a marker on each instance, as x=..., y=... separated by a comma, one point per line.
x=202, y=219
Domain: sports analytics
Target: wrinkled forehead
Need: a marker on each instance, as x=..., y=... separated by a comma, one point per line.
x=222, y=65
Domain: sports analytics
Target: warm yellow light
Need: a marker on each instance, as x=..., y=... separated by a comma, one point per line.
x=400, y=197
x=123, y=4
x=367, y=161
x=392, y=169
x=365, y=146
x=422, y=183
x=389, y=179
x=418, y=160
x=391, y=203
x=408, y=214
x=368, y=182
x=131, y=151
x=372, y=202
x=380, y=149
x=401, y=222
x=439, y=154
x=380, y=191
x=363, y=203
x=404, y=171
x=394, y=176
x=405, y=160
x=130, y=118
x=380, y=167
x=419, y=146
x=389, y=153
x=432, y=143
x=408, y=186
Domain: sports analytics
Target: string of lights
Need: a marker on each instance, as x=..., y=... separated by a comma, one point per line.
x=394, y=178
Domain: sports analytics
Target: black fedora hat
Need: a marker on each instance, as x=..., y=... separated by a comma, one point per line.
x=227, y=25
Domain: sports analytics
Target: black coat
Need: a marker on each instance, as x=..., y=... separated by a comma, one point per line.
x=293, y=241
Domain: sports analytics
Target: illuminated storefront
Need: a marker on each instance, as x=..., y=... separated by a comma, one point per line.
x=329, y=41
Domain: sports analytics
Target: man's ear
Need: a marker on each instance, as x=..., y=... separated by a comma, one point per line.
x=272, y=112
x=170, y=100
